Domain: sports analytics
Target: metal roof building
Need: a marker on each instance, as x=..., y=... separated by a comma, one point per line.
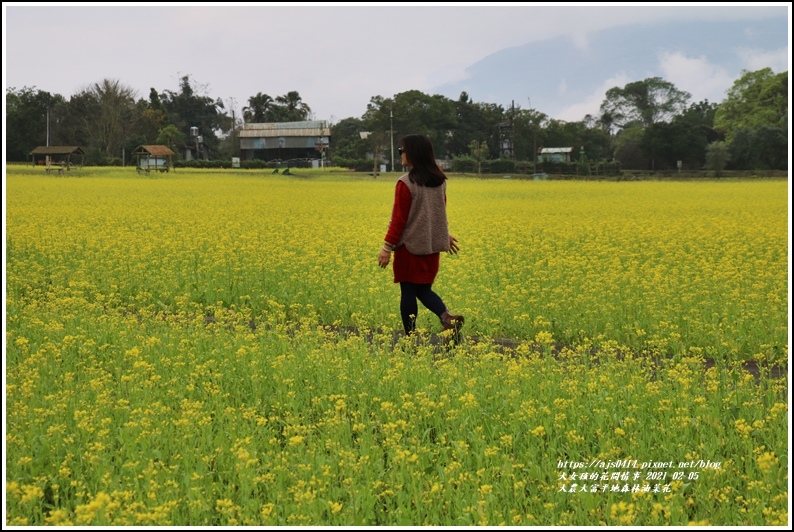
x=284, y=140
x=555, y=155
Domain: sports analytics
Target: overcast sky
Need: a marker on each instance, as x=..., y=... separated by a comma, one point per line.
x=336, y=56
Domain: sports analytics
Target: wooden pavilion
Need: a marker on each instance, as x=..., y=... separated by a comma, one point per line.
x=60, y=156
x=154, y=157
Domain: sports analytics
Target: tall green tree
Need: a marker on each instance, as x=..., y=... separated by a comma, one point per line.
x=694, y=131
x=627, y=147
x=346, y=141
x=378, y=125
x=530, y=133
x=152, y=118
x=648, y=101
x=660, y=144
x=586, y=134
x=26, y=121
x=75, y=129
x=683, y=139
x=756, y=99
x=115, y=116
x=170, y=136
x=414, y=112
x=700, y=116
x=189, y=108
x=770, y=145
x=474, y=121
x=560, y=134
x=741, y=149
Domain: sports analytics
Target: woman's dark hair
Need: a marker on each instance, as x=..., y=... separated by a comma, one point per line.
x=424, y=169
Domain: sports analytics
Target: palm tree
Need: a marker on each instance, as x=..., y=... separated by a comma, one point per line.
x=259, y=108
x=115, y=104
x=294, y=108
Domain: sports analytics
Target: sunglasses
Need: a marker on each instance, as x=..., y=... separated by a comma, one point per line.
x=400, y=150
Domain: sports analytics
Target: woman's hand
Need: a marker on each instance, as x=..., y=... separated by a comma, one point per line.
x=453, y=245
x=383, y=258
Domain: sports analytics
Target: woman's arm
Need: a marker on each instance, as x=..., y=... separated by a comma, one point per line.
x=399, y=216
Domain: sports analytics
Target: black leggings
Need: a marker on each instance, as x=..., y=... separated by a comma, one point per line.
x=408, y=307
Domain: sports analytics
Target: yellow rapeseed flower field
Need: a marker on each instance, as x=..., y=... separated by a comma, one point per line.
x=218, y=348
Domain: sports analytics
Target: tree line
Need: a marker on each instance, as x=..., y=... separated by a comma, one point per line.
x=646, y=124
x=107, y=120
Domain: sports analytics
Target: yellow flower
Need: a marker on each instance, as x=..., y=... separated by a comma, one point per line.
x=223, y=505
x=538, y=431
x=86, y=513
x=59, y=517
x=742, y=427
x=31, y=493
x=12, y=488
x=468, y=399
x=267, y=509
x=623, y=513
x=767, y=461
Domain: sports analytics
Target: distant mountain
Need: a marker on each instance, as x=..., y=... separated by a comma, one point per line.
x=557, y=73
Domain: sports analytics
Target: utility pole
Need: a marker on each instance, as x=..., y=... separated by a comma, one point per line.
x=534, y=148
x=507, y=135
x=513, y=129
x=534, y=139
x=47, y=157
x=391, y=136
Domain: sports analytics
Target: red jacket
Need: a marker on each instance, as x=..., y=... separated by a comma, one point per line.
x=408, y=268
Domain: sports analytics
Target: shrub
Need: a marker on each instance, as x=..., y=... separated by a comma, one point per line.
x=464, y=163
x=360, y=165
x=254, y=164
x=717, y=157
x=502, y=166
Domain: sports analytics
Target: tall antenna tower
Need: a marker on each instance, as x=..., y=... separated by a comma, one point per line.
x=507, y=135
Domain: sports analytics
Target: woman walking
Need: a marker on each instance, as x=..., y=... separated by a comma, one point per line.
x=418, y=232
